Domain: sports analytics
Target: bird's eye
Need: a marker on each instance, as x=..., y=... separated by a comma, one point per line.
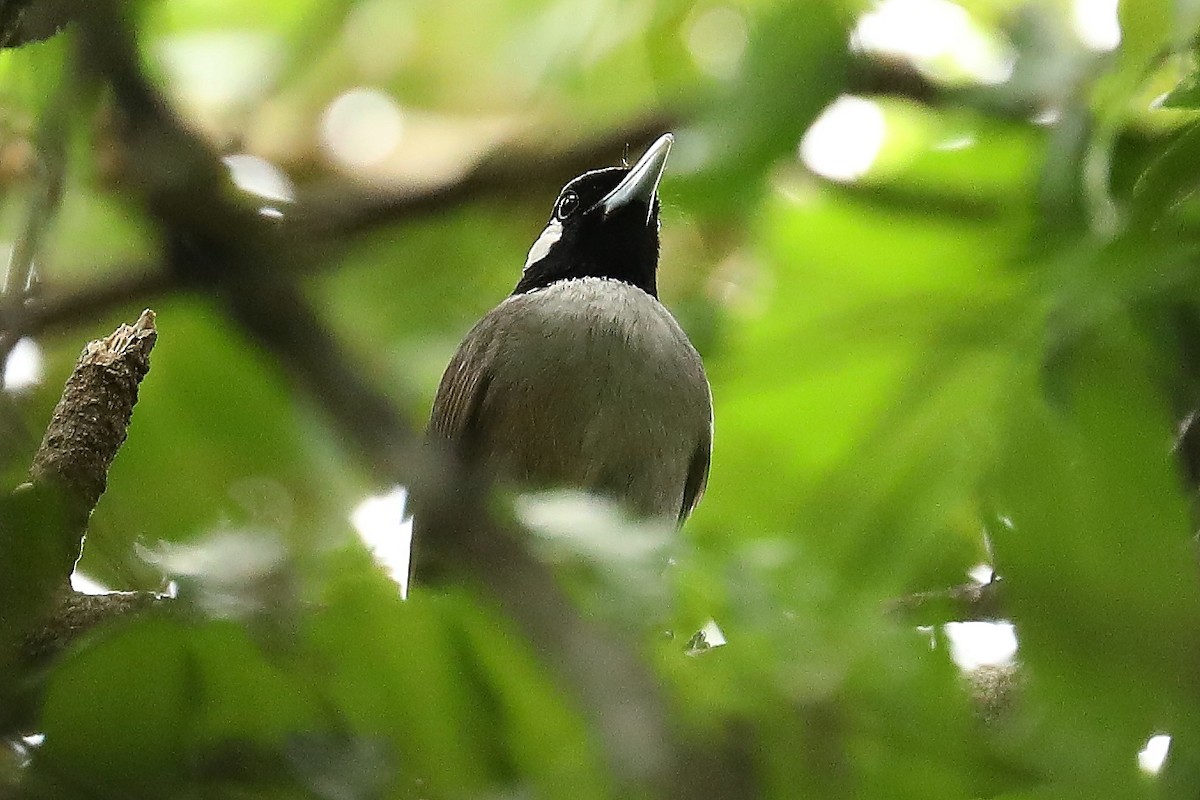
x=566, y=205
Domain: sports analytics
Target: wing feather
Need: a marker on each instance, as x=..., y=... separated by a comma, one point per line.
x=697, y=477
x=460, y=395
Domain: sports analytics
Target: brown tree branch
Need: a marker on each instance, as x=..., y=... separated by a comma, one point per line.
x=133, y=286
x=70, y=468
x=26, y=21
x=89, y=423
x=43, y=522
x=510, y=172
x=323, y=218
x=75, y=614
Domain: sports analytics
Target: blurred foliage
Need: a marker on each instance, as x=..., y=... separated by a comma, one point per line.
x=991, y=328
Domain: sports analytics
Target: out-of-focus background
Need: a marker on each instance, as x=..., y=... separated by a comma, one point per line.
x=940, y=259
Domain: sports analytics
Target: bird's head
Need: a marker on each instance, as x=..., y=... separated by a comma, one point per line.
x=604, y=225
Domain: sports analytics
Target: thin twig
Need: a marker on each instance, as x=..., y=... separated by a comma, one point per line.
x=968, y=602
x=44, y=200
x=136, y=285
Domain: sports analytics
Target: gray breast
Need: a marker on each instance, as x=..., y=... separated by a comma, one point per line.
x=591, y=383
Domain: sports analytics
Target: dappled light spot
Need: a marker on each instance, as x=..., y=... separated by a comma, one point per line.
x=1151, y=758
x=844, y=141
x=86, y=584
x=622, y=558
x=716, y=40
x=705, y=639
x=577, y=524
x=1096, y=23
x=938, y=37
x=361, y=128
x=260, y=177
x=23, y=368
x=22, y=747
x=213, y=71
x=230, y=574
x=960, y=142
x=1046, y=117
x=982, y=644
x=381, y=523
x=981, y=573
x=380, y=36
x=713, y=634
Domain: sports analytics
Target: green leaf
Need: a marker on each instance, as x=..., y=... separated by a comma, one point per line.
x=137, y=710
x=394, y=670
x=1098, y=562
x=118, y=715
x=1171, y=178
x=794, y=66
x=1186, y=95
x=546, y=739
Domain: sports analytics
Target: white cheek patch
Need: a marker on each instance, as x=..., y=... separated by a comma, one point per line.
x=541, y=248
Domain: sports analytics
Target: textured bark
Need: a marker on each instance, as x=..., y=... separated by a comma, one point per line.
x=43, y=522
x=26, y=21
x=75, y=614
x=90, y=420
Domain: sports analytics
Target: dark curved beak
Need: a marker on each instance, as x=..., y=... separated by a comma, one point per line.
x=642, y=181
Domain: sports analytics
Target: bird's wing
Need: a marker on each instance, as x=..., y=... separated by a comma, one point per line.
x=697, y=477
x=454, y=420
x=460, y=395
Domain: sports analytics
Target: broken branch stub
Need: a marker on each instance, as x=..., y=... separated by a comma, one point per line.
x=90, y=421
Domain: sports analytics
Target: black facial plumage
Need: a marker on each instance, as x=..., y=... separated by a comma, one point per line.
x=595, y=240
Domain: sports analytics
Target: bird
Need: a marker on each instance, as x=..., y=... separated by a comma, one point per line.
x=581, y=378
